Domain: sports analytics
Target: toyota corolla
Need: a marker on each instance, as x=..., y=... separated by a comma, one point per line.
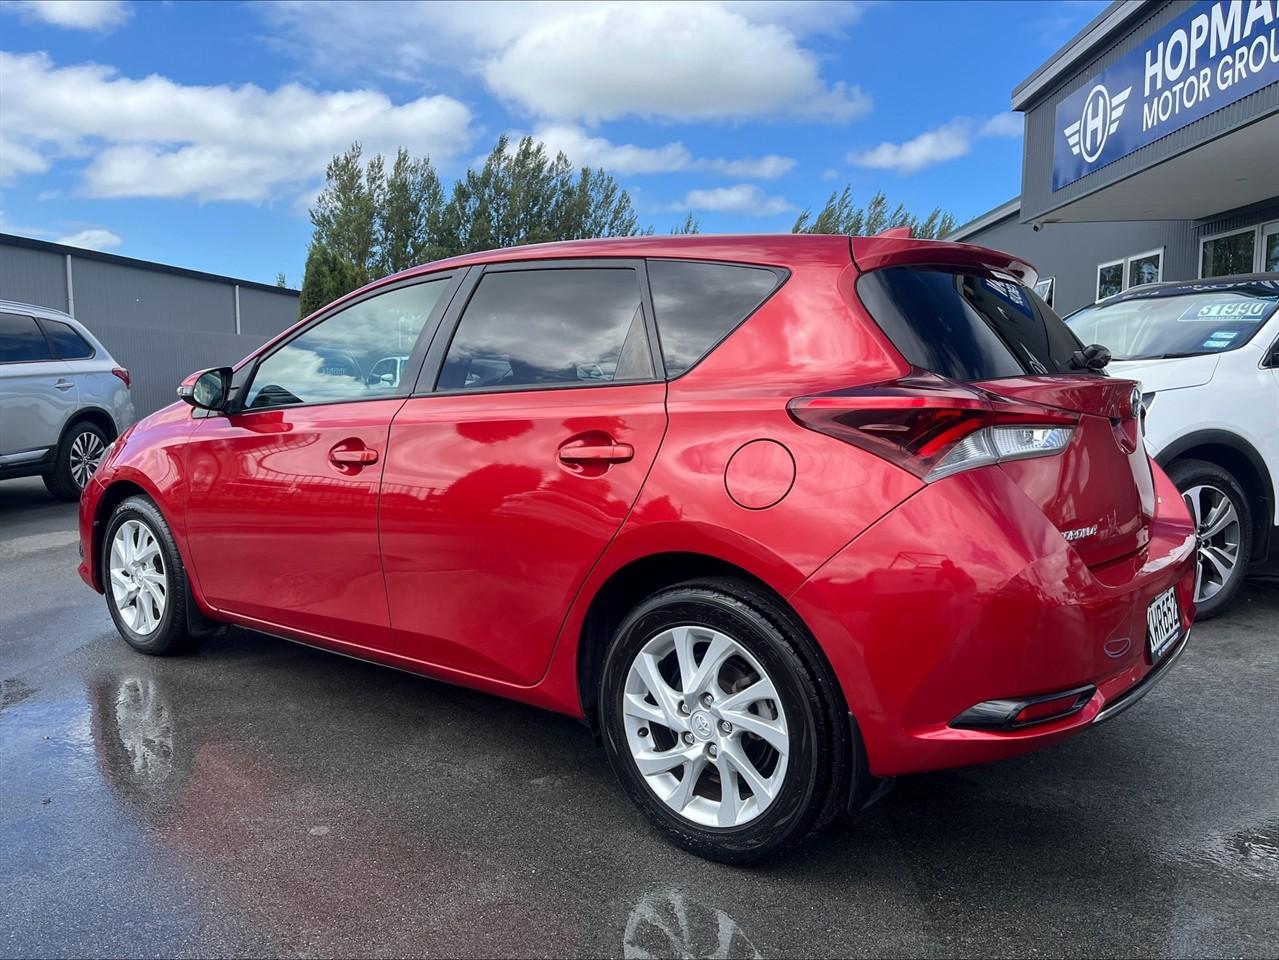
x=780, y=518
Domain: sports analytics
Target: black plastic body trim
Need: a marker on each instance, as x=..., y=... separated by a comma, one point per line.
x=1144, y=685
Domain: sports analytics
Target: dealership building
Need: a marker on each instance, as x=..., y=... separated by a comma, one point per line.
x=1151, y=151
x=160, y=322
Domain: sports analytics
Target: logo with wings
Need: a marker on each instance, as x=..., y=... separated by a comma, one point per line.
x=1087, y=135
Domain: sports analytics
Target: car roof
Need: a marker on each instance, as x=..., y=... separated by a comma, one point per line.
x=1176, y=288
x=34, y=309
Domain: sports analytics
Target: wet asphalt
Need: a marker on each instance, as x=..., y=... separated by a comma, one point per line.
x=260, y=798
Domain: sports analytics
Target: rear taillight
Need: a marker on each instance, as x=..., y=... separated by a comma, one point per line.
x=122, y=373
x=934, y=427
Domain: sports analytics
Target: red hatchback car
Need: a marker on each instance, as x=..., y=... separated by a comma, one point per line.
x=779, y=517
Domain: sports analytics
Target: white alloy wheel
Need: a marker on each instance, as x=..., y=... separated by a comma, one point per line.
x=705, y=726
x=139, y=582
x=1217, y=529
x=86, y=453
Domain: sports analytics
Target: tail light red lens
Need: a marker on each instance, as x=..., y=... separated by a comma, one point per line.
x=123, y=374
x=934, y=427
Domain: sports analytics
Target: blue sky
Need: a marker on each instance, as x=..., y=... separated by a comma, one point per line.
x=196, y=133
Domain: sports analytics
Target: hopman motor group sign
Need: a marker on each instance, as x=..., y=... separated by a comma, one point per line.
x=1217, y=52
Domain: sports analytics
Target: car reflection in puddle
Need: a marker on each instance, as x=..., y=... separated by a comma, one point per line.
x=671, y=924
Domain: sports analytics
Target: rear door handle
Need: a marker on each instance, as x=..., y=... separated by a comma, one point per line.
x=605, y=452
x=62, y=383
x=352, y=456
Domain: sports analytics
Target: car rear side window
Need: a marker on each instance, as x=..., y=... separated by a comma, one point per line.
x=67, y=342
x=550, y=327
x=21, y=340
x=967, y=325
x=698, y=304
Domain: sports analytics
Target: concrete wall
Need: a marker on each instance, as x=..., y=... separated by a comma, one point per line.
x=161, y=322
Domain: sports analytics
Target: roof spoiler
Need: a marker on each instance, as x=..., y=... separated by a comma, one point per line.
x=895, y=248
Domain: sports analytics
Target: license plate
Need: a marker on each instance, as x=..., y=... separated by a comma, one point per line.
x=1163, y=623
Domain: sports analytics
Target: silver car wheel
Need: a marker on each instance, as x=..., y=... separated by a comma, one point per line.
x=705, y=726
x=86, y=454
x=139, y=583
x=1217, y=528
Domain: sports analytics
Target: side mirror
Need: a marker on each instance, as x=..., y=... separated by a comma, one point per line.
x=1092, y=357
x=207, y=389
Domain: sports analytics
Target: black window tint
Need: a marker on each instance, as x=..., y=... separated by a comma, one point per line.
x=547, y=327
x=967, y=326
x=21, y=340
x=697, y=304
x=67, y=343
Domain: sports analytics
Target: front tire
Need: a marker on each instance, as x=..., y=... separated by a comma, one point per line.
x=78, y=456
x=719, y=723
x=145, y=582
x=1223, y=523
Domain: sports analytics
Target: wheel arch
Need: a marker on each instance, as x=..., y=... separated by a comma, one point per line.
x=1232, y=452
x=97, y=416
x=645, y=575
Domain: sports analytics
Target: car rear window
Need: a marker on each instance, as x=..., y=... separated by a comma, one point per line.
x=21, y=340
x=550, y=327
x=67, y=343
x=968, y=325
x=698, y=304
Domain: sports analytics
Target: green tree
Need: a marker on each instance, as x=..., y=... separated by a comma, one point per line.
x=408, y=215
x=522, y=195
x=345, y=215
x=689, y=226
x=841, y=215
x=280, y=280
x=327, y=276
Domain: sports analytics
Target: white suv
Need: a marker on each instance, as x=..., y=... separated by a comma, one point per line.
x=63, y=399
x=1207, y=355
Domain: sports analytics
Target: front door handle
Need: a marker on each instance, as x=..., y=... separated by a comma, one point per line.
x=62, y=383
x=350, y=456
x=597, y=452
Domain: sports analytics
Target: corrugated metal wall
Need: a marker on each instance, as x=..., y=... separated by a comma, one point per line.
x=1071, y=252
x=33, y=276
x=159, y=322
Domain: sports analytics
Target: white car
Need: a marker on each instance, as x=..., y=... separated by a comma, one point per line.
x=63, y=399
x=1207, y=355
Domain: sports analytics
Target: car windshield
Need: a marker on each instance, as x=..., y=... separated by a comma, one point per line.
x=1179, y=326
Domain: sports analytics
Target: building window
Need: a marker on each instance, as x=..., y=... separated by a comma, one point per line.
x=1228, y=253
x=1145, y=268
x=1118, y=275
x=1270, y=248
x=1110, y=279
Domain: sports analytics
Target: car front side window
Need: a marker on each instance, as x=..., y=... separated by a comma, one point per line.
x=344, y=357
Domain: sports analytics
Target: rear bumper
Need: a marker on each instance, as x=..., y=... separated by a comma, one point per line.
x=965, y=594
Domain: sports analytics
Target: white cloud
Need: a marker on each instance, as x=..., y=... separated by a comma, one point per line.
x=100, y=15
x=685, y=62
x=627, y=159
x=768, y=167
x=950, y=140
x=94, y=238
x=157, y=138
x=1003, y=125
x=744, y=198
x=17, y=160
x=586, y=62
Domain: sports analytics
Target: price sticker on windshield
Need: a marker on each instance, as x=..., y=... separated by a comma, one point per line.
x=1218, y=310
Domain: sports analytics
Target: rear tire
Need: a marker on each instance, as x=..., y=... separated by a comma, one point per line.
x=744, y=701
x=145, y=583
x=78, y=456
x=1223, y=522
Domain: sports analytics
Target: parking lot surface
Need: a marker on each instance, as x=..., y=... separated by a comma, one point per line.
x=263, y=798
